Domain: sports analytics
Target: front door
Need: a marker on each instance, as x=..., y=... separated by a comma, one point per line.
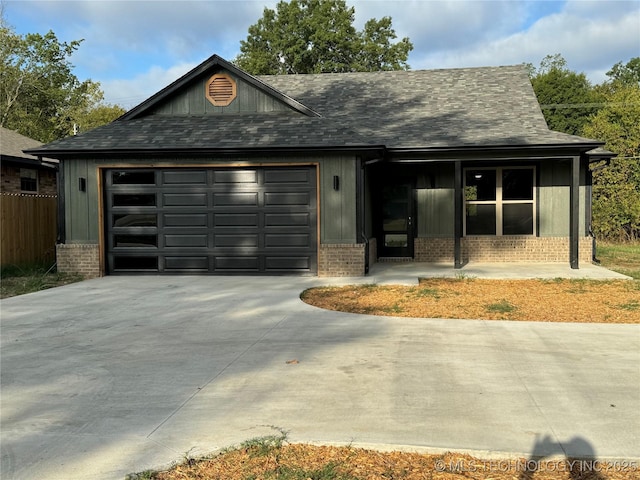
x=396, y=238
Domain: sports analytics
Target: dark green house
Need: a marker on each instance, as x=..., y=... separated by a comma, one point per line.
x=222, y=172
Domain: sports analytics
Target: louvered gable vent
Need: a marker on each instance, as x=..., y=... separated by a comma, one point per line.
x=221, y=90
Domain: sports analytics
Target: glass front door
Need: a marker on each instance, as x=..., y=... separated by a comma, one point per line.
x=396, y=239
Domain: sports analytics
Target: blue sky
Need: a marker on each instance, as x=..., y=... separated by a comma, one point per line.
x=135, y=48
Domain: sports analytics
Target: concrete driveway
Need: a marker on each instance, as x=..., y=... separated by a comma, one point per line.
x=120, y=374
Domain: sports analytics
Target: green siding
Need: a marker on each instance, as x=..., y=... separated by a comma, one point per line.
x=192, y=101
x=338, y=208
x=81, y=208
x=434, y=201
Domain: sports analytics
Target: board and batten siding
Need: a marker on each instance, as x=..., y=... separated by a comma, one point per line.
x=435, y=203
x=192, y=101
x=554, y=195
x=337, y=208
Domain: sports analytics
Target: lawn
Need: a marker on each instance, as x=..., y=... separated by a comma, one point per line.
x=21, y=280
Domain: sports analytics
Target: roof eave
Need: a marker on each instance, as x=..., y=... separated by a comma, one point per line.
x=75, y=153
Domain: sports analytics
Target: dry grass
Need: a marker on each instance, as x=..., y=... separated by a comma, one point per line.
x=309, y=462
x=558, y=300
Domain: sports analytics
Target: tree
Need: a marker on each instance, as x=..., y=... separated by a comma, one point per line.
x=318, y=36
x=567, y=98
x=628, y=74
x=40, y=97
x=616, y=188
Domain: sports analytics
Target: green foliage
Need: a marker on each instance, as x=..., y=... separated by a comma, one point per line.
x=318, y=36
x=628, y=74
x=566, y=97
x=40, y=97
x=616, y=188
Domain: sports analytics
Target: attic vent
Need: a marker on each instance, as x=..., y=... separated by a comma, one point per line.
x=221, y=90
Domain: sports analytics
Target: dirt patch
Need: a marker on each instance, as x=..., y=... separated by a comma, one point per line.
x=308, y=462
x=558, y=300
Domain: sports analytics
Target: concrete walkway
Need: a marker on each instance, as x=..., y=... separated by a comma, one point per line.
x=120, y=374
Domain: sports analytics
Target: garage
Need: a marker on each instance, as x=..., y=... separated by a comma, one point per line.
x=215, y=220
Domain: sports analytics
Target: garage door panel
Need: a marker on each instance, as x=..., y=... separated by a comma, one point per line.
x=135, y=241
x=199, y=264
x=289, y=199
x=287, y=219
x=216, y=220
x=131, y=220
x=186, y=241
x=287, y=241
x=235, y=220
x=237, y=263
x=236, y=240
x=185, y=220
x=235, y=177
x=286, y=176
x=240, y=199
x=184, y=199
x=289, y=263
x=184, y=177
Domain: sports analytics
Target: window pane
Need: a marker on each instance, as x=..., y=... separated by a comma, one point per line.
x=480, y=185
x=133, y=178
x=395, y=240
x=135, y=220
x=28, y=180
x=132, y=200
x=517, y=184
x=517, y=219
x=135, y=241
x=481, y=219
x=135, y=263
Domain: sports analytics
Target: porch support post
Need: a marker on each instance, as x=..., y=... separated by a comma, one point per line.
x=457, y=234
x=574, y=215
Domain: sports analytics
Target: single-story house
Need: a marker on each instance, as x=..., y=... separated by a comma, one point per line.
x=21, y=173
x=222, y=172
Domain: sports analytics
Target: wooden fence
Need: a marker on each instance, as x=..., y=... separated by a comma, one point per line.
x=28, y=229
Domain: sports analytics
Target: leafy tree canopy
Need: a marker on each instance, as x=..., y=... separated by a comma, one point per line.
x=318, y=36
x=566, y=97
x=40, y=97
x=628, y=74
x=616, y=188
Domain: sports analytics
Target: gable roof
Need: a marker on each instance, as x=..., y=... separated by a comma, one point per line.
x=204, y=69
x=489, y=107
x=431, y=108
x=12, y=145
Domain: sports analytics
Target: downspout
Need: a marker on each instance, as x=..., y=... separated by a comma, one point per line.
x=360, y=212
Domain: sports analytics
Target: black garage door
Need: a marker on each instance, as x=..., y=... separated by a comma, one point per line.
x=216, y=220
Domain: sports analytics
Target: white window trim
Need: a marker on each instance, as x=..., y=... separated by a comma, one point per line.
x=499, y=202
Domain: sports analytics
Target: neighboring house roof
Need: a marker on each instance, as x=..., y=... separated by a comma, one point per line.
x=12, y=145
x=401, y=110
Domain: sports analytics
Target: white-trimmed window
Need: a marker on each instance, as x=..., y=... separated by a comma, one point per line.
x=500, y=201
x=29, y=180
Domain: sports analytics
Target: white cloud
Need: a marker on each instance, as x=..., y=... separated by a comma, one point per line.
x=131, y=91
x=135, y=48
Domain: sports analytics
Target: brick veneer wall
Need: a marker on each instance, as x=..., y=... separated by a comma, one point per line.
x=503, y=249
x=341, y=260
x=10, y=183
x=78, y=258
